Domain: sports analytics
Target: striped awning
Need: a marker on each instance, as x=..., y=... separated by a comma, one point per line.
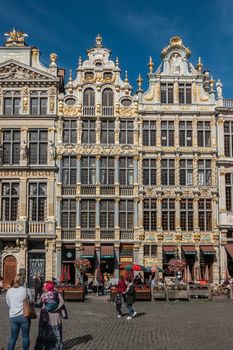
x=107, y=251
x=88, y=251
x=207, y=249
x=169, y=249
x=229, y=249
x=188, y=249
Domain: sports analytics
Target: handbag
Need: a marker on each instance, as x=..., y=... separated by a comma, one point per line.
x=63, y=312
x=28, y=308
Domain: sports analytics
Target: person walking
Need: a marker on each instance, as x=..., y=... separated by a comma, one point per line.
x=50, y=324
x=130, y=299
x=118, y=303
x=38, y=286
x=121, y=287
x=14, y=298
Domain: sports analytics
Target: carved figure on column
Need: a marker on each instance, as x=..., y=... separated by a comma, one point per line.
x=23, y=150
x=1, y=154
x=79, y=125
x=98, y=125
x=117, y=125
x=175, y=63
x=51, y=149
x=136, y=125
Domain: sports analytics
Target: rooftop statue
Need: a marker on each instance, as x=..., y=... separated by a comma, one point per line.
x=15, y=38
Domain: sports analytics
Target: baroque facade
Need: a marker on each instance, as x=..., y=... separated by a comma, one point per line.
x=89, y=169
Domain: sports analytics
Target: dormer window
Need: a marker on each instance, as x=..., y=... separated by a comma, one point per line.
x=70, y=101
x=126, y=102
x=89, y=75
x=107, y=76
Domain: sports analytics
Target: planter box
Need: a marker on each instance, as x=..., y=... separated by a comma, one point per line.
x=74, y=294
x=200, y=292
x=177, y=293
x=143, y=293
x=159, y=293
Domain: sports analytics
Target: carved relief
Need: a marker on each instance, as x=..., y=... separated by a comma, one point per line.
x=13, y=71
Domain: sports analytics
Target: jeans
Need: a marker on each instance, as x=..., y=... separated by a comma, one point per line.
x=17, y=323
x=130, y=308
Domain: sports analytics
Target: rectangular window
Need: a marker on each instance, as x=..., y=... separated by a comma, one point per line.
x=150, y=214
x=37, y=201
x=149, y=172
x=168, y=172
x=167, y=133
x=203, y=134
x=126, y=132
x=38, y=105
x=228, y=139
x=204, y=172
x=69, y=171
x=126, y=214
x=10, y=201
x=11, y=147
x=38, y=146
x=88, y=213
x=88, y=131
x=69, y=131
x=126, y=171
x=149, y=133
x=107, y=171
x=186, y=172
x=88, y=171
x=168, y=214
x=107, y=132
x=167, y=93
x=185, y=133
x=185, y=94
x=229, y=184
x=186, y=214
x=11, y=104
x=150, y=251
x=68, y=214
x=107, y=212
x=205, y=214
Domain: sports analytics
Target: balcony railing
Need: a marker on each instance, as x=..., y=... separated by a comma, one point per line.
x=126, y=190
x=88, y=234
x=107, y=111
x=89, y=111
x=69, y=190
x=127, y=234
x=36, y=227
x=88, y=189
x=69, y=234
x=8, y=227
x=106, y=190
x=107, y=234
x=228, y=103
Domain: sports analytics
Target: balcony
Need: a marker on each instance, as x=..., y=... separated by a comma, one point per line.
x=69, y=190
x=69, y=234
x=88, y=111
x=126, y=234
x=88, y=234
x=9, y=227
x=107, y=111
x=88, y=190
x=228, y=103
x=106, y=190
x=126, y=190
x=36, y=228
x=107, y=234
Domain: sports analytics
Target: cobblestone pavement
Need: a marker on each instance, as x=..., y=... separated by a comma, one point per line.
x=195, y=325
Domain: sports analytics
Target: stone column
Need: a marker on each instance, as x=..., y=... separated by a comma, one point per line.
x=158, y=165
x=177, y=214
x=158, y=131
x=97, y=219
x=98, y=131
x=50, y=197
x=51, y=146
x=117, y=131
x=214, y=170
x=195, y=214
x=49, y=245
x=77, y=256
x=220, y=131
x=136, y=253
x=58, y=260
x=176, y=91
x=194, y=126
x=116, y=219
x=222, y=196
x=159, y=213
x=117, y=261
x=24, y=147
x=116, y=164
x=176, y=132
x=213, y=132
x=97, y=258
x=135, y=213
x=135, y=164
x=195, y=170
x=223, y=254
x=177, y=170
x=79, y=131
x=78, y=216
x=23, y=199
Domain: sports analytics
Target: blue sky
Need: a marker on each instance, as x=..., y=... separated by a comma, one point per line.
x=132, y=29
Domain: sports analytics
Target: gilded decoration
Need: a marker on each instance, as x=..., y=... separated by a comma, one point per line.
x=98, y=78
x=53, y=58
x=197, y=237
x=52, y=104
x=178, y=237
x=150, y=191
x=205, y=193
x=35, y=54
x=201, y=95
x=128, y=111
x=151, y=95
x=175, y=43
x=15, y=38
x=160, y=237
x=25, y=99
x=70, y=111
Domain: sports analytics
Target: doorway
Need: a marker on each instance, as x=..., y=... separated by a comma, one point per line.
x=9, y=270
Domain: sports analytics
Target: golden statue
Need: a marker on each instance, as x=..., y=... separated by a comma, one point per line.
x=15, y=38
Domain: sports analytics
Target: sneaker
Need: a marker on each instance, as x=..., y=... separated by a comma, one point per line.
x=134, y=314
x=119, y=316
x=129, y=318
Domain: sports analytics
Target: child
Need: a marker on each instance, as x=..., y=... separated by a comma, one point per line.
x=50, y=297
x=118, y=302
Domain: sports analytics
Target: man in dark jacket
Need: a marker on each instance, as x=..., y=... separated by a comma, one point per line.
x=130, y=299
x=38, y=286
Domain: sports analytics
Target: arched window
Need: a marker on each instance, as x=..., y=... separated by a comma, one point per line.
x=107, y=102
x=89, y=102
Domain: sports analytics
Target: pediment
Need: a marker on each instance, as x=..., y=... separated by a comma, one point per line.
x=13, y=70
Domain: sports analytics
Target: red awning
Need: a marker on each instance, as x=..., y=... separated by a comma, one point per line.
x=207, y=249
x=107, y=251
x=88, y=251
x=169, y=249
x=188, y=249
x=229, y=249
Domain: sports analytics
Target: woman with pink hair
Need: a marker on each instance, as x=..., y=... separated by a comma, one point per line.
x=50, y=325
